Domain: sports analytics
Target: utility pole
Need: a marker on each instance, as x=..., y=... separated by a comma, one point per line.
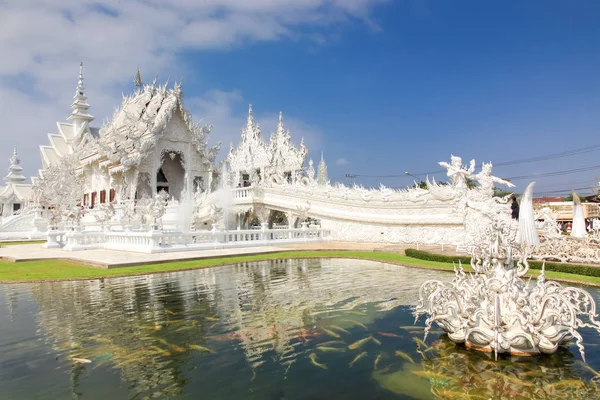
x=351, y=177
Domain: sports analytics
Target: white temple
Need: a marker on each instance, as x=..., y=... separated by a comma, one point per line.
x=146, y=180
x=150, y=144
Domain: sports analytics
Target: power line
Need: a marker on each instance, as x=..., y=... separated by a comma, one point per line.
x=556, y=173
x=552, y=156
x=587, y=149
x=563, y=190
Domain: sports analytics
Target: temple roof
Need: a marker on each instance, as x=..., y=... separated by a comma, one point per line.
x=278, y=156
x=141, y=118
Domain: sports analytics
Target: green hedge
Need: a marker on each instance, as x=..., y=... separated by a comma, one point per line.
x=578, y=269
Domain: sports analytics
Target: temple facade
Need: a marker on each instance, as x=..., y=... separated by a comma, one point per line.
x=146, y=180
x=151, y=144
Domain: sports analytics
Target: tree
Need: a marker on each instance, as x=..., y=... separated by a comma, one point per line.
x=570, y=197
x=501, y=192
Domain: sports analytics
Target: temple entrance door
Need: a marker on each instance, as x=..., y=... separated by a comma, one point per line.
x=170, y=177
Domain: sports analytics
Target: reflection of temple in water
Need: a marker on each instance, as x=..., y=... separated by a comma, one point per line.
x=265, y=306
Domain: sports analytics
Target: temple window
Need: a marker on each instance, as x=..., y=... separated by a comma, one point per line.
x=161, y=182
x=198, y=184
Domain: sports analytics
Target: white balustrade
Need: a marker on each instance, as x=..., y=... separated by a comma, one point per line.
x=153, y=241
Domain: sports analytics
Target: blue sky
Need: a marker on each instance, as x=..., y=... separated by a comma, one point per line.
x=382, y=87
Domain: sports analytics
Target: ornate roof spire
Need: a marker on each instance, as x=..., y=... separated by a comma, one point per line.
x=80, y=116
x=251, y=127
x=322, y=176
x=15, y=174
x=137, y=81
x=280, y=127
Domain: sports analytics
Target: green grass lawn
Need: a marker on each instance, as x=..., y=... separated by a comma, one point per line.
x=64, y=270
x=21, y=242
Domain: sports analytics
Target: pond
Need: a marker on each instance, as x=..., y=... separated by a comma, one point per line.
x=286, y=329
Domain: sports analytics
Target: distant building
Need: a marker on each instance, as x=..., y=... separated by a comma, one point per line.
x=16, y=193
x=564, y=209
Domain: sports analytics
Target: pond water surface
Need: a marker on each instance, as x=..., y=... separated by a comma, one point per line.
x=288, y=329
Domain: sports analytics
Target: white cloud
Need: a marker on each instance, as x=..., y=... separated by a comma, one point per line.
x=42, y=42
x=341, y=162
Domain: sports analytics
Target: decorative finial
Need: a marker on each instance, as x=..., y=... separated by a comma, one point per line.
x=280, y=116
x=250, y=109
x=80, y=82
x=137, y=81
x=322, y=159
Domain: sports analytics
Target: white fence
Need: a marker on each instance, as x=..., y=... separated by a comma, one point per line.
x=161, y=242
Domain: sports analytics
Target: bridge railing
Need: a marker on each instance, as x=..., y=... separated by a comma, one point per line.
x=155, y=241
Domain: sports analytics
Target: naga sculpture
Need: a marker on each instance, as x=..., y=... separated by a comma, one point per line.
x=495, y=310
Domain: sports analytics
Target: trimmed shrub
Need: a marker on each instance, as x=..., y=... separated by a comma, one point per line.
x=585, y=270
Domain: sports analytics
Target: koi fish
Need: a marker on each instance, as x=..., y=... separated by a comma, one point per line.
x=412, y=328
x=211, y=318
x=356, y=323
x=338, y=328
x=178, y=349
x=101, y=339
x=433, y=375
x=518, y=381
x=313, y=359
x=386, y=334
x=329, y=349
x=331, y=333
x=160, y=351
x=184, y=328
x=536, y=373
x=569, y=383
x=358, y=357
x=359, y=343
x=451, y=395
x=405, y=356
x=420, y=342
x=170, y=312
x=81, y=360
x=201, y=348
x=377, y=342
x=379, y=357
x=355, y=312
x=163, y=341
x=330, y=343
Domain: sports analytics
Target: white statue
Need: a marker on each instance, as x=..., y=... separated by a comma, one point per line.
x=457, y=173
x=486, y=180
x=548, y=224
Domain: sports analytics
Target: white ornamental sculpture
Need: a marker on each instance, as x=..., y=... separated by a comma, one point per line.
x=458, y=174
x=495, y=310
x=578, y=228
x=59, y=189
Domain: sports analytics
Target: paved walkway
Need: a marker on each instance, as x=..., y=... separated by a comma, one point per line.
x=115, y=258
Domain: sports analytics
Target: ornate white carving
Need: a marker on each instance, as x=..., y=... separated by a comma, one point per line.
x=457, y=173
x=60, y=188
x=494, y=310
x=280, y=157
